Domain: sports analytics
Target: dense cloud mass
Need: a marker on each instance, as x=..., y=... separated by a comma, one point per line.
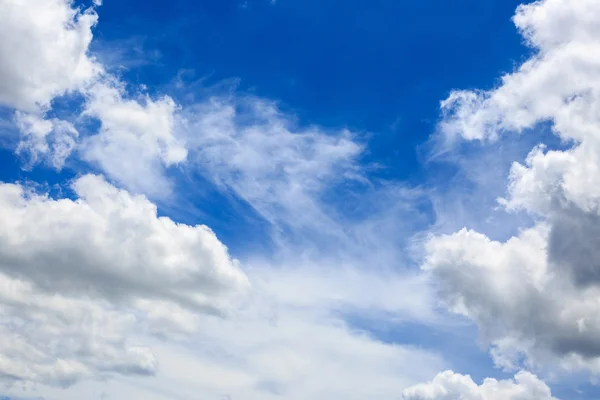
x=451, y=386
x=78, y=275
x=535, y=295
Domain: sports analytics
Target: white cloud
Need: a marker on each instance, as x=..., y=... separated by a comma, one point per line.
x=342, y=286
x=279, y=168
x=285, y=341
x=80, y=277
x=114, y=240
x=559, y=83
x=43, y=51
x=535, y=295
x=51, y=141
x=59, y=340
x=527, y=306
x=91, y=281
x=136, y=140
x=451, y=386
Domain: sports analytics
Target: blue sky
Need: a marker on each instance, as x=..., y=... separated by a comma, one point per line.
x=282, y=199
x=380, y=68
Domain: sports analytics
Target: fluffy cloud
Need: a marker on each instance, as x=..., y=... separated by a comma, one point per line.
x=535, y=295
x=451, y=386
x=136, y=140
x=522, y=306
x=92, y=281
x=80, y=276
x=559, y=83
x=43, y=51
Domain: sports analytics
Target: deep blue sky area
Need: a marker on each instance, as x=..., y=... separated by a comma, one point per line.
x=378, y=67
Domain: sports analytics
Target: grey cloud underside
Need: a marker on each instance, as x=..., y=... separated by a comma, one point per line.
x=574, y=246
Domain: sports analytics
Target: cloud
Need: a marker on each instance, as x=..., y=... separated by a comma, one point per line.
x=248, y=145
x=290, y=339
x=80, y=277
x=450, y=386
x=50, y=140
x=533, y=296
x=54, y=339
x=92, y=284
x=136, y=140
x=124, y=278
x=558, y=83
x=243, y=143
x=43, y=52
x=113, y=240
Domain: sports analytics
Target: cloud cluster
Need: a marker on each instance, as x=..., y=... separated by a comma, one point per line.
x=80, y=276
x=45, y=54
x=534, y=296
x=451, y=386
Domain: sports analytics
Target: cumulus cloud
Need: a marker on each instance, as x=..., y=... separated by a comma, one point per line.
x=43, y=51
x=534, y=295
x=114, y=240
x=80, y=276
x=289, y=339
x=45, y=54
x=136, y=140
x=451, y=386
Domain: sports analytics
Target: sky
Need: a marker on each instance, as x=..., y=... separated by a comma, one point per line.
x=274, y=199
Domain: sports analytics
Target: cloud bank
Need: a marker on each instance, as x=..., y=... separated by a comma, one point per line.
x=534, y=296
